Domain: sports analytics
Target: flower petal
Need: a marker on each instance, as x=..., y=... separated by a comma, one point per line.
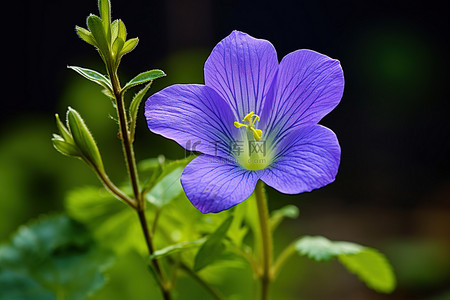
x=214, y=184
x=195, y=116
x=308, y=158
x=309, y=85
x=241, y=69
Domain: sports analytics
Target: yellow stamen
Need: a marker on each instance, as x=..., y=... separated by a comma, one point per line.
x=257, y=133
x=251, y=118
x=239, y=125
x=248, y=117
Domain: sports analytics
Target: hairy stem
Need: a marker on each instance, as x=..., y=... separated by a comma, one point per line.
x=266, y=239
x=134, y=178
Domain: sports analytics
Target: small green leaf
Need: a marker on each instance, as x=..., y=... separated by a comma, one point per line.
x=93, y=76
x=321, y=249
x=166, y=189
x=143, y=78
x=277, y=216
x=64, y=132
x=213, y=247
x=86, y=35
x=83, y=139
x=129, y=46
x=104, y=6
x=134, y=107
x=176, y=248
x=95, y=25
x=65, y=148
x=117, y=47
x=122, y=30
x=368, y=264
x=372, y=268
x=52, y=257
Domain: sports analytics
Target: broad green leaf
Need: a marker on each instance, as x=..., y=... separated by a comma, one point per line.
x=129, y=46
x=65, y=148
x=320, y=248
x=177, y=248
x=167, y=168
x=277, y=216
x=86, y=35
x=368, y=264
x=113, y=224
x=93, y=76
x=213, y=247
x=144, y=78
x=52, y=258
x=83, y=139
x=372, y=268
x=134, y=107
x=166, y=189
x=95, y=25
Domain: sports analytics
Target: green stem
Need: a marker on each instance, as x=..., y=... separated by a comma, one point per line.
x=134, y=178
x=266, y=239
x=283, y=258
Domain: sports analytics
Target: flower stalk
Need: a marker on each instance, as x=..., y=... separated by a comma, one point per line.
x=266, y=239
x=134, y=177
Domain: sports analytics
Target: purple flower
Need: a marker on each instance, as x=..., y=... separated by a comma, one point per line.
x=254, y=119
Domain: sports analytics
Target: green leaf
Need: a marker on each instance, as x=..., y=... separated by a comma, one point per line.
x=63, y=131
x=117, y=47
x=213, y=247
x=93, y=76
x=277, y=216
x=129, y=46
x=176, y=248
x=65, y=148
x=95, y=25
x=143, y=78
x=134, y=107
x=86, y=35
x=372, y=268
x=320, y=248
x=83, y=139
x=112, y=223
x=54, y=257
x=166, y=189
x=104, y=6
x=368, y=264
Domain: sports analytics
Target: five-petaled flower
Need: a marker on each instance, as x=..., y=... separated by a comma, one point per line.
x=251, y=100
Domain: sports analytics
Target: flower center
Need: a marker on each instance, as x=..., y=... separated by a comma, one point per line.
x=252, y=155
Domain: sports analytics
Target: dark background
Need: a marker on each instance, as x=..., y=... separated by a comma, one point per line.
x=393, y=188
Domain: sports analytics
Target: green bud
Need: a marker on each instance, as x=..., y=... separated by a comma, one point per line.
x=83, y=139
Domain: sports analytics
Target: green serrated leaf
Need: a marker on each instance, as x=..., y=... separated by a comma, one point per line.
x=94, y=76
x=277, y=216
x=52, y=257
x=213, y=247
x=372, y=268
x=95, y=25
x=166, y=189
x=83, y=139
x=176, y=248
x=86, y=35
x=144, y=78
x=129, y=46
x=320, y=248
x=134, y=107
